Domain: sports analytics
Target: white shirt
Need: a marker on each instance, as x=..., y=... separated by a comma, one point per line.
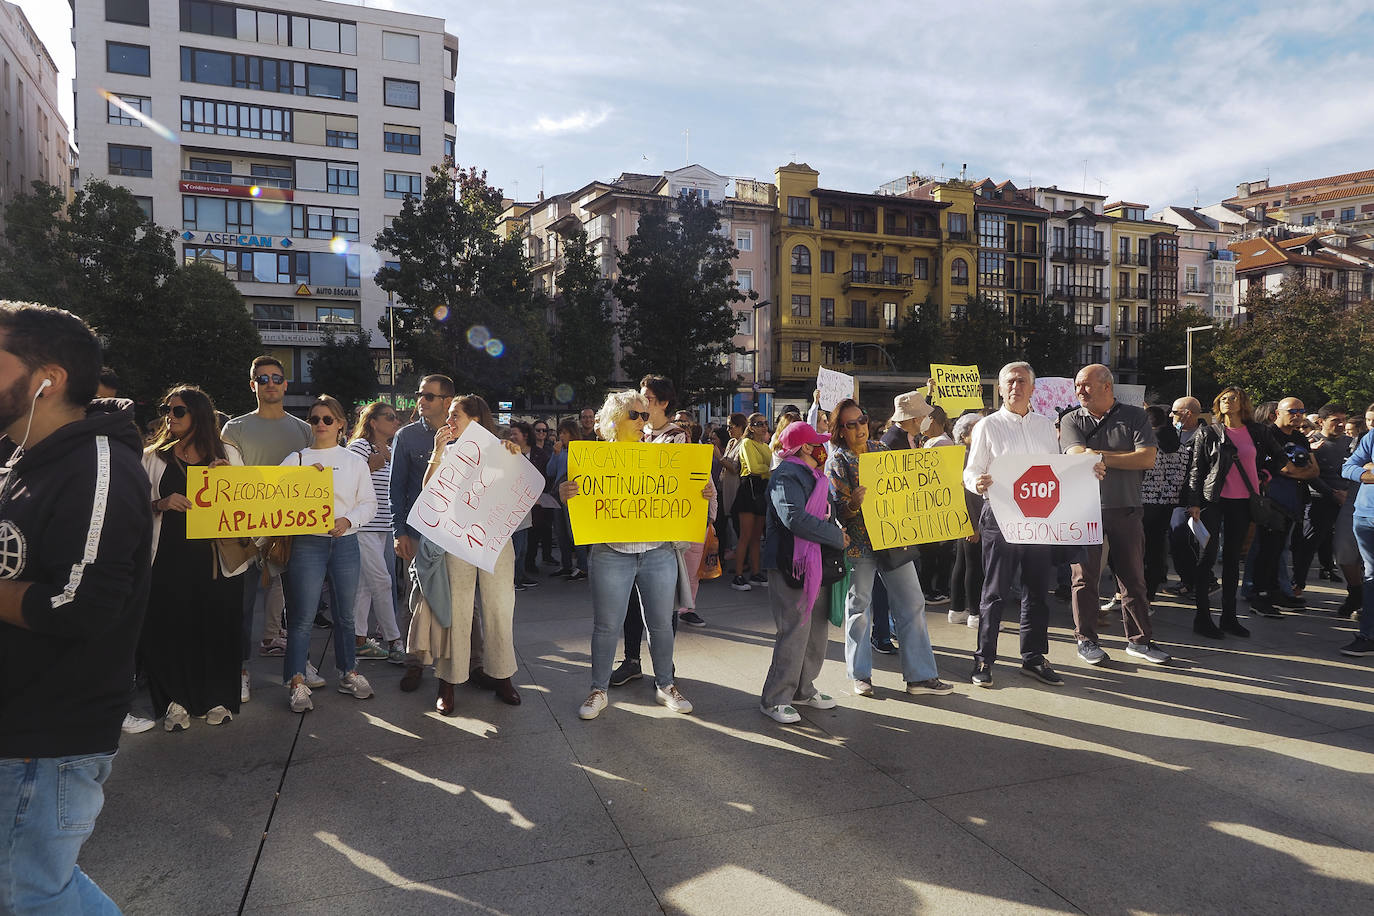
x=1008, y=433
x=354, y=498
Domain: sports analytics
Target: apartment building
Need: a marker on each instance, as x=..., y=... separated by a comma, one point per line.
x=1078, y=261
x=1011, y=249
x=276, y=143
x=1145, y=274
x=33, y=135
x=1346, y=199
x=1340, y=264
x=1206, y=267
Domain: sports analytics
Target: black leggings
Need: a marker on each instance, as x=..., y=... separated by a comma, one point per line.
x=966, y=582
x=1227, y=520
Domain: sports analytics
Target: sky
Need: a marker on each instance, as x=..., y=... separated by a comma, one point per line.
x=1161, y=103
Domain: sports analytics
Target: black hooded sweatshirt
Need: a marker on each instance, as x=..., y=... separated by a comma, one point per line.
x=75, y=522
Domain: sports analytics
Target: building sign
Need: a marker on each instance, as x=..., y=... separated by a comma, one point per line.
x=234, y=190
x=344, y=291
x=240, y=241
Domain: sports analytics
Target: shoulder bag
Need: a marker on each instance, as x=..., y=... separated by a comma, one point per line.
x=1264, y=511
x=275, y=549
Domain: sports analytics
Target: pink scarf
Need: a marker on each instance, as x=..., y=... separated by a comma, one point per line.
x=806, y=555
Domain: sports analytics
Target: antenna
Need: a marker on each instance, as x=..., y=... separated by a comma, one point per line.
x=1085, y=176
x=688, y=144
x=541, y=182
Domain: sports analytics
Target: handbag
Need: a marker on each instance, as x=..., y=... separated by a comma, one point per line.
x=890, y=558
x=1264, y=511
x=839, y=595
x=709, y=568
x=833, y=564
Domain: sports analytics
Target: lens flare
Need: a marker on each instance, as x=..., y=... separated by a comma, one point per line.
x=137, y=115
x=255, y=191
x=478, y=336
x=340, y=245
x=441, y=313
x=494, y=347
x=563, y=393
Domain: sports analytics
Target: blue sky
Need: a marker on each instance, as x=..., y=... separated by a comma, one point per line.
x=1157, y=102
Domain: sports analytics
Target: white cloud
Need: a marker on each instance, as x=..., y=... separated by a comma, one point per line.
x=577, y=123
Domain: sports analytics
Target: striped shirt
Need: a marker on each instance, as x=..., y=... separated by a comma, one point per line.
x=381, y=485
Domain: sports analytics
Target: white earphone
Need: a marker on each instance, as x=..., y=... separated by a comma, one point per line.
x=47, y=383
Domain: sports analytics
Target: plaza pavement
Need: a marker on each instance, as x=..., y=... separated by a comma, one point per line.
x=1236, y=780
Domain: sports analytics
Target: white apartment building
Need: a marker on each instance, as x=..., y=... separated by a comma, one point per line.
x=276, y=143
x=33, y=136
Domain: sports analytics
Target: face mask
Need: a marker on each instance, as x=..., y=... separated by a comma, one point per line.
x=1178, y=425
x=818, y=455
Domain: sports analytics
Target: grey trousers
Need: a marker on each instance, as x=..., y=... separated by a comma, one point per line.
x=800, y=645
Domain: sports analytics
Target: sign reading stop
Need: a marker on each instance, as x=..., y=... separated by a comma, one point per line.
x=1036, y=492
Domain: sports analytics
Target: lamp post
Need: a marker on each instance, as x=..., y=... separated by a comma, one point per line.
x=756, y=306
x=391, y=339
x=1187, y=366
x=892, y=363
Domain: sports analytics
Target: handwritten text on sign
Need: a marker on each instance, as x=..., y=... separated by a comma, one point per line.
x=956, y=388
x=834, y=387
x=915, y=496
x=1046, y=499
x=233, y=501
x=638, y=491
x=477, y=498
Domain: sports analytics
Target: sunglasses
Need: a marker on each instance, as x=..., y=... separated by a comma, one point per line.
x=274, y=378
x=541, y=429
x=178, y=411
x=855, y=424
x=1296, y=410
x=326, y=419
x=637, y=414
x=427, y=396
x=758, y=423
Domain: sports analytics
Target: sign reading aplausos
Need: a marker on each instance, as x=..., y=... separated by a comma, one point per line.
x=477, y=498
x=1046, y=499
x=240, y=502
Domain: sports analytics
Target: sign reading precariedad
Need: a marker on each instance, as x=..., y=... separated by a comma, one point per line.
x=834, y=387
x=638, y=491
x=956, y=388
x=1046, y=499
x=915, y=496
x=477, y=498
x=232, y=501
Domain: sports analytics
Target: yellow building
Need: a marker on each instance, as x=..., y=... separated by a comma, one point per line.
x=1143, y=286
x=847, y=267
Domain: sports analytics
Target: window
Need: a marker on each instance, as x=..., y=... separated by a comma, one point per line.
x=130, y=59
x=120, y=114
x=1309, y=219
x=920, y=268
x=342, y=178
x=399, y=47
x=403, y=184
x=828, y=312
x=1190, y=279
x=217, y=166
x=131, y=161
x=744, y=279
x=744, y=239
x=858, y=265
x=267, y=74
x=827, y=262
x=336, y=314
x=401, y=93
x=744, y=322
x=448, y=107
x=801, y=260
x=209, y=18
x=146, y=205
x=344, y=139
x=398, y=139
x=958, y=271
x=449, y=143
x=1348, y=214
x=799, y=211
x=958, y=226
x=450, y=62
x=890, y=316
x=257, y=122
x=890, y=267
x=801, y=306
x=992, y=230
x=130, y=12
x=801, y=351
x=324, y=222
x=858, y=313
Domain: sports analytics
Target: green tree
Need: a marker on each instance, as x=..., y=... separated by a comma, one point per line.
x=921, y=339
x=583, y=357
x=212, y=340
x=470, y=310
x=343, y=367
x=676, y=290
x=1049, y=340
x=979, y=334
x=1166, y=345
x=1287, y=347
x=36, y=259
x=1352, y=364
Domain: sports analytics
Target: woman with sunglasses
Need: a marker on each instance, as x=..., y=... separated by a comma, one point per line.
x=191, y=634
x=336, y=554
x=372, y=434
x=751, y=503
x=541, y=529
x=908, y=603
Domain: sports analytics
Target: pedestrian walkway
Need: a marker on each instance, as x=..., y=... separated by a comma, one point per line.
x=1235, y=780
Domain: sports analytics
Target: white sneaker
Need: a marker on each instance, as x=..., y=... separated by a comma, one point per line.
x=218, y=716
x=671, y=697
x=973, y=621
x=958, y=617
x=355, y=684
x=592, y=706
x=244, y=693
x=783, y=714
x=817, y=701
x=1147, y=652
x=312, y=676
x=300, y=698
x=135, y=725
x=176, y=717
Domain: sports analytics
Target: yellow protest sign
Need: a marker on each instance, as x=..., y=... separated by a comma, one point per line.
x=638, y=491
x=956, y=388
x=915, y=496
x=230, y=501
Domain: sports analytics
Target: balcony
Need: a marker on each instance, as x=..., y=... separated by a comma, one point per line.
x=843, y=225
x=1086, y=293
x=1091, y=331
x=1088, y=255
x=915, y=232
x=247, y=181
x=959, y=236
x=958, y=281
x=1220, y=255
x=879, y=278
x=1036, y=249
x=1059, y=253
x=1128, y=327
x=799, y=220
x=1127, y=259
x=1030, y=286
x=300, y=333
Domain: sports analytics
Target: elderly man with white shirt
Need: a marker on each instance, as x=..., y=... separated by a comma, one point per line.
x=1013, y=430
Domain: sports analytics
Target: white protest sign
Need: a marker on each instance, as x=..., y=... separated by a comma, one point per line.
x=834, y=387
x=1046, y=499
x=477, y=498
x=1134, y=395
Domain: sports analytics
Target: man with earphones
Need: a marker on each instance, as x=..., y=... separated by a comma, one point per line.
x=75, y=546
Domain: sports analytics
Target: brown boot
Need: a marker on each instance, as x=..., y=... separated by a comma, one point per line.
x=506, y=691
x=444, y=703
x=410, y=681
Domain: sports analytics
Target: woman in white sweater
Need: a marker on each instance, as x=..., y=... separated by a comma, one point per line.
x=335, y=553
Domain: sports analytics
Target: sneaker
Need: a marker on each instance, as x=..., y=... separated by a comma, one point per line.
x=176, y=717
x=529, y=583
x=785, y=715
x=218, y=716
x=1360, y=648
x=245, y=694
x=396, y=654
x=577, y=576
x=1111, y=607
x=691, y=618
x=370, y=649
x=520, y=586
x=312, y=676
x=1091, y=652
x=981, y=676
x=1044, y=672
x=671, y=697
x=626, y=671
x=136, y=725
x=1347, y=609
x=560, y=573
x=272, y=648
x=300, y=699
x=1262, y=604
x=740, y=584
x=933, y=686
x=760, y=579
x=817, y=701
x=884, y=648
x=355, y=684
x=863, y=687
x=937, y=598
x=973, y=621
x=1289, y=601
x=592, y=706
x=958, y=617
x=1147, y=652
x=1331, y=575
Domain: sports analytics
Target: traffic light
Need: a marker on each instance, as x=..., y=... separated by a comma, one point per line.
x=844, y=352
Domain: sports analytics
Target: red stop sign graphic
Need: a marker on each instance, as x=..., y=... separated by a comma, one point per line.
x=1037, y=491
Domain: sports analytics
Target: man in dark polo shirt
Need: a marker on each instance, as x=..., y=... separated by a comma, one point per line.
x=1122, y=436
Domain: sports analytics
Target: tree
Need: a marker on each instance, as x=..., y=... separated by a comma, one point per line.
x=1049, y=340
x=921, y=339
x=343, y=368
x=979, y=334
x=583, y=356
x=213, y=339
x=1288, y=348
x=1166, y=345
x=676, y=290
x=469, y=305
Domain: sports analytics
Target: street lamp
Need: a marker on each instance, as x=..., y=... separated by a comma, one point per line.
x=1187, y=366
x=391, y=339
x=892, y=363
x=756, y=306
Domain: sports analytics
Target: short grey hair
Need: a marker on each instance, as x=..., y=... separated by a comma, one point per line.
x=964, y=425
x=1020, y=364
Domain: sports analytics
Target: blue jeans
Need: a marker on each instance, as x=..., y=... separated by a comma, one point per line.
x=613, y=574
x=313, y=555
x=908, y=611
x=1364, y=538
x=48, y=807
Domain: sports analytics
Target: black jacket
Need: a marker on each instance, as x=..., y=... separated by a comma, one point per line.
x=1213, y=456
x=76, y=522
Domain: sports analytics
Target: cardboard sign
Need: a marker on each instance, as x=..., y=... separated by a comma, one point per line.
x=1134, y=395
x=638, y=491
x=956, y=388
x=477, y=498
x=231, y=501
x=834, y=387
x=1046, y=499
x=915, y=496
x=1051, y=395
